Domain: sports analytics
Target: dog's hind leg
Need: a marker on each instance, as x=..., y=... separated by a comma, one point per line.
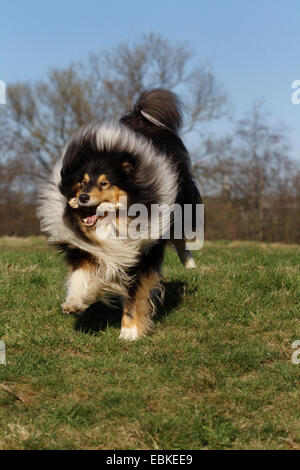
x=185, y=256
x=139, y=308
x=81, y=292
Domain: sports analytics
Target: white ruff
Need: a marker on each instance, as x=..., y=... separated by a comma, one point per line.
x=114, y=256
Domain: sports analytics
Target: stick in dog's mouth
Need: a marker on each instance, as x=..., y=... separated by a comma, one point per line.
x=101, y=211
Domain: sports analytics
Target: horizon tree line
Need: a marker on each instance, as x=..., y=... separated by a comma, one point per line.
x=249, y=182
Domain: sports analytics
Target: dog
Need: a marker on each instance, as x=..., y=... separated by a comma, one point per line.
x=140, y=160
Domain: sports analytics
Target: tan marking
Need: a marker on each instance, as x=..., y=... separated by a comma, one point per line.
x=103, y=179
x=119, y=193
x=77, y=188
x=96, y=195
x=111, y=194
x=86, y=178
x=138, y=310
x=88, y=264
x=127, y=167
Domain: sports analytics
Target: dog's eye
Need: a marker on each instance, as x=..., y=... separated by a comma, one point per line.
x=103, y=183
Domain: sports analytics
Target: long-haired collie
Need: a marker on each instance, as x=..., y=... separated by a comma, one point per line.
x=109, y=168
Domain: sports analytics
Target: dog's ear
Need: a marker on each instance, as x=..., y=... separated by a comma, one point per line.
x=127, y=167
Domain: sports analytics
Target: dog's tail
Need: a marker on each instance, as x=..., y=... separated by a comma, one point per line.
x=158, y=106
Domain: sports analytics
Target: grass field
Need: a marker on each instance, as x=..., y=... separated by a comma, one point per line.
x=216, y=374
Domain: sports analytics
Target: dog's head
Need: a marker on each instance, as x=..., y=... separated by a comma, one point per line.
x=99, y=177
x=103, y=163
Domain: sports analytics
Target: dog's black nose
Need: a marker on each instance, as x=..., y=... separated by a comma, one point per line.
x=84, y=198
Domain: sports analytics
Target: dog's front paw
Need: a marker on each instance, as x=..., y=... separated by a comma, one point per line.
x=129, y=334
x=70, y=306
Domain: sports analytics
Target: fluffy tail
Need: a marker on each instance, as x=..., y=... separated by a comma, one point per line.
x=158, y=106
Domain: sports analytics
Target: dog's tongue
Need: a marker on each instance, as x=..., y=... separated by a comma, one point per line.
x=91, y=220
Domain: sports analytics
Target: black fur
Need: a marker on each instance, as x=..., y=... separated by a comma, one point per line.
x=165, y=106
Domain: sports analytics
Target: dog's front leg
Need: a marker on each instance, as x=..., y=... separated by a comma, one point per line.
x=81, y=292
x=138, y=307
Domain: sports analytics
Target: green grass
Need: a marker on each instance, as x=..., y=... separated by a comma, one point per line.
x=216, y=374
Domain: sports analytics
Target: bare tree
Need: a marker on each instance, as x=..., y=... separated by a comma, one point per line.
x=124, y=72
x=39, y=117
x=251, y=185
x=252, y=173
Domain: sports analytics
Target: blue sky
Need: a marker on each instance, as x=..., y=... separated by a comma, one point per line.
x=252, y=45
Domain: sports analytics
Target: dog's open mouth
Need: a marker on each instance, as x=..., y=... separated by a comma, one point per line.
x=90, y=220
x=99, y=212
